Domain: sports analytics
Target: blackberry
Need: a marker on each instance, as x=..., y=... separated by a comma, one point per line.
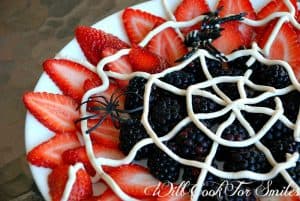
x=279, y=148
x=204, y=105
x=162, y=166
x=291, y=105
x=180, y=79
x=295, y=173
x=131, y=132
x=193, y=144
x=256, y=120
x=230, y=89
x=239, y=63
x=135, y=95
x=277, y=131
x=275, y=76
x=195, y=68
x=165, y=114
x=246, y=159
x=235, y=132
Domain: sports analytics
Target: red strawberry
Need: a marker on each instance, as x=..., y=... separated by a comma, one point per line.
x=232, y=7
x=144, y=60
x=57, y=112
x=49, y=153
x=168, y=45
x=139, y=23
x=90, y=84
x=272, y=7
x=134, y=180
x=285, y=47
x=189, y=9
x=275, y=6
x=92, y=41
x=112, y=91
x=185, y=197
x=108, y=195
x=69, y=76
x=230, y=40
x=79, y=155
x=121, y=65
x=58, y=178
x=106, y=134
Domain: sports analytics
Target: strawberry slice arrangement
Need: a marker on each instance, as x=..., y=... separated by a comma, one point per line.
x=61, y=114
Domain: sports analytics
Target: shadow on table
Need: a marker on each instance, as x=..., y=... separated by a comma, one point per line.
x=16, y=183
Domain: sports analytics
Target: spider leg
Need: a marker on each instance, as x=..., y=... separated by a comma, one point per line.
x=101, y=120
x=86, y=118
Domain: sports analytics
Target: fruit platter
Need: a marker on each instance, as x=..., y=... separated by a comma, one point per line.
x=172, y=100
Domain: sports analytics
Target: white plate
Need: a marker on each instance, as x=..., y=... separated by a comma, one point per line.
x=35, y=133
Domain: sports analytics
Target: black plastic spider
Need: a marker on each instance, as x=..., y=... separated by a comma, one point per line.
x=105, y=108
x=209, y=31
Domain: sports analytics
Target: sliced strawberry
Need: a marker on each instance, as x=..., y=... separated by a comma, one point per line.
x=112, y=92
x=134, y=180
x=92, y=41
x=275, y=6
x=185, y=197
x=90, y=84
x=79, y=155
x=57, y=112
x=106, y=134
x=49, y=153
x=108, y=195
x=230, y=40
x=285, y=47
x=69, y=76
x=121, y=65
x=168, y=45
x=144, y=60
x=272, y=7
x=233, y=7
x=188, y=10
x=57, y=179
x=139, y=23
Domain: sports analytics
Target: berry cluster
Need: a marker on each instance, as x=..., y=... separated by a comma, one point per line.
x=167, y=109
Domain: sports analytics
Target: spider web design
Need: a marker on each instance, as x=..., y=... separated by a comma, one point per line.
x=234, y=108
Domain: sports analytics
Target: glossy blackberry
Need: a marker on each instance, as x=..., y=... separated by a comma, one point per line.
x=235, y=132
x=256, y=120
x=279, y=148
x=239, y=63
x=275, y=76
x=246, y=159
x=193, y=143
x=131, y=132
x=165, y=114
x=295, y=173
x=162, y=166
x=291, y=105
x=135, y=95
x=278, y=131
x=204, y=105
x=230, y=89
x=180, y=79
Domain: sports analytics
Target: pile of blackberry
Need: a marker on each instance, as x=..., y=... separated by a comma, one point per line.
x=166, y=110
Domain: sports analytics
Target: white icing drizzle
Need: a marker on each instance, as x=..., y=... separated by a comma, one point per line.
x=71, y=180
x=172, y=17
x=234, y=107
